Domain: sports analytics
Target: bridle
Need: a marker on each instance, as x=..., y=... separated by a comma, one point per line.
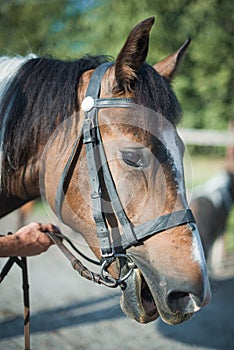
x=95, y=155
x=130, y=235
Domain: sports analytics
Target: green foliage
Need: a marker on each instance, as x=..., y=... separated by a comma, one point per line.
x=229, y=239
x=72, y=28
x=24, y=26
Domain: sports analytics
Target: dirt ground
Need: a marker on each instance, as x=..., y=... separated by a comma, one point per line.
x=70, y=313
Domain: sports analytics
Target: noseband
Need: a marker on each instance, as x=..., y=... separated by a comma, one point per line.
x=95, y=155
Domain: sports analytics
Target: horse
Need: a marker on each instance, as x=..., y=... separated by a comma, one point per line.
x=211, y=205
x=97, y=140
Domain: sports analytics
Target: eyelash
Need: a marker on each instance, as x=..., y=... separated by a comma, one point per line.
x=136, y=163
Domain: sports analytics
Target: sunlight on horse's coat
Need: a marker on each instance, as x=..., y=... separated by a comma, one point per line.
x=170, y=280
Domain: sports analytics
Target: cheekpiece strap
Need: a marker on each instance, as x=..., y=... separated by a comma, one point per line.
x=91, y=136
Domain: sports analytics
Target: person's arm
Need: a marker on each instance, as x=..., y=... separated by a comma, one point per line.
x=27, y=241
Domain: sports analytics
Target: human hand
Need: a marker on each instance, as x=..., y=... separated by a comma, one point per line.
x=28, y=241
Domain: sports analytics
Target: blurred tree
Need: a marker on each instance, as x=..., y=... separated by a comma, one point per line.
x=206, y=80
x=39, y=26
x=72, y=28
x=25, y=25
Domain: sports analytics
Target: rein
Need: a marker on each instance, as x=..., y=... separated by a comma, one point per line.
x=22, y=263
x=95, y=155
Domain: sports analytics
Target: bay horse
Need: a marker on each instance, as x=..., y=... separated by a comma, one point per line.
x=98, y=141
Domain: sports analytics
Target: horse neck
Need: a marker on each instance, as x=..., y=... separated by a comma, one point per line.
x=21, y=187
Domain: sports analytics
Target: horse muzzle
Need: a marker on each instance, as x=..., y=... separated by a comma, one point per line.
x=144, y=303
x=166, y=289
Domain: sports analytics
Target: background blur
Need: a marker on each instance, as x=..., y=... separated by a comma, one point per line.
x=69, y=29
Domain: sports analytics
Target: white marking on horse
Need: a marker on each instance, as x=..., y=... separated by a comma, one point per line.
x=8, y=69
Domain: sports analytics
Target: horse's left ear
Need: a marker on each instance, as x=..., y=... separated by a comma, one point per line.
x=169, y=65
x=132, y=56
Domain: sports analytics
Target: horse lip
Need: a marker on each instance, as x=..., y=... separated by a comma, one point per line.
x=161, y=308
x=166, y=315
x=147, y=299
x=132, y=303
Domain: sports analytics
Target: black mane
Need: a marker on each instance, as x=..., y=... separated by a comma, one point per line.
x=44, y=93
x=155, y=92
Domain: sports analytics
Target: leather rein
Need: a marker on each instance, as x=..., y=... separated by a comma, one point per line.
x=95, y=154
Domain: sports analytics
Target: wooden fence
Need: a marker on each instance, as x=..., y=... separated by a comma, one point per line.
x=207, y=137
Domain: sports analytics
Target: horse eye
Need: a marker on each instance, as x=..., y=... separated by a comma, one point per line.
x=133, y=158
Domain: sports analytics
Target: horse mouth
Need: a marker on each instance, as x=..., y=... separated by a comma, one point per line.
x=147, y=302
x=137, y=301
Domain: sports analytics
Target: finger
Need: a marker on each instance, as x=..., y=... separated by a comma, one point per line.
x=34, y=224
x=50, y=228
x=46, y=238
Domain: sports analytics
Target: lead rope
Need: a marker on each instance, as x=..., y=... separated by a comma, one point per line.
x=22, y=263
x=26, y=303
x=103, y=278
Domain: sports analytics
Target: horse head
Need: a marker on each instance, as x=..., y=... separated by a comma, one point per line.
x=144, y=155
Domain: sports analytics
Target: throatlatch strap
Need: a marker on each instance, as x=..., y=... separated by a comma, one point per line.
x=60, y=190
x=93, y=89
x=90, y=141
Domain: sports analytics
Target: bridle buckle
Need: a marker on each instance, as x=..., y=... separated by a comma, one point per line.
x=129, y=264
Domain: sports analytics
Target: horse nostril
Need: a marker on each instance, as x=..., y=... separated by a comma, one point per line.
x=179, y=301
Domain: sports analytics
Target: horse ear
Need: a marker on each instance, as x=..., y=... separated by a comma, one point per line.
x=132, y=55
x=169, y=65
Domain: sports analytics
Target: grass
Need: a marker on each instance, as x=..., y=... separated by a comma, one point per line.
x=200, y=168
x=229, y=235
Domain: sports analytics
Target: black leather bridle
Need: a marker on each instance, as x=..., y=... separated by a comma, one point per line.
x=130, y=235
x=95, y=155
